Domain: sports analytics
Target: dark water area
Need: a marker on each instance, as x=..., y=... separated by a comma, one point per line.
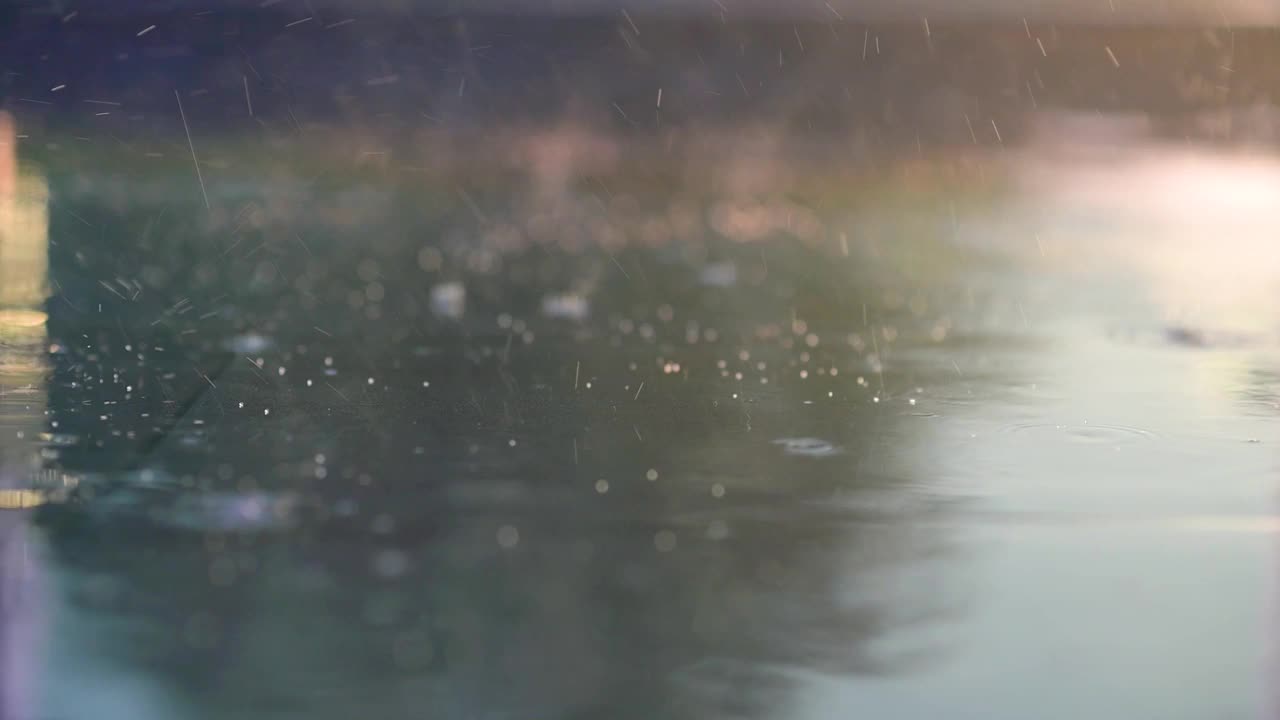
x=538, y=395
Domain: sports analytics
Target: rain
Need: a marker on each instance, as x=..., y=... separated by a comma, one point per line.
x=730, y=359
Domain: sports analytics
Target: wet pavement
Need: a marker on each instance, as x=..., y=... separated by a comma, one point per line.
x=989, y=434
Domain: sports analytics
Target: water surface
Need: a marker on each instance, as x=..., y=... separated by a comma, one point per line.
x=577, y=446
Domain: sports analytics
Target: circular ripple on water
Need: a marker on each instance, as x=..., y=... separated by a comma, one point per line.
x=1084, y=432
x=808, y=447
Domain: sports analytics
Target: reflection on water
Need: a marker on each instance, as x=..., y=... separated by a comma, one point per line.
x=1191, y=222
x=24, y=248
x=562, y=452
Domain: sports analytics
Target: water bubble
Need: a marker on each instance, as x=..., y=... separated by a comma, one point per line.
x=664, y=541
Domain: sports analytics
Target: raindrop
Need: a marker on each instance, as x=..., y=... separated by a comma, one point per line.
x=566, y=307
x=449, y=300
x=722, y=275
x=508, y=536
x=249, y=343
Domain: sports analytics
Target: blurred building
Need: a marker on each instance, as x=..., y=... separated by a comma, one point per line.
x=24, y=237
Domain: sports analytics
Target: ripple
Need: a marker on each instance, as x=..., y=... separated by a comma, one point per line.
x=808, y=447
x=1084, y=432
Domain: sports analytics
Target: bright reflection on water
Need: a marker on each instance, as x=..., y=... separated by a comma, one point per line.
x=980, y=457
x=1116, y=437
x=24, y=253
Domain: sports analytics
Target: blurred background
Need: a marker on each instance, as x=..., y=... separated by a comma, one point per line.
x=586, y=359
